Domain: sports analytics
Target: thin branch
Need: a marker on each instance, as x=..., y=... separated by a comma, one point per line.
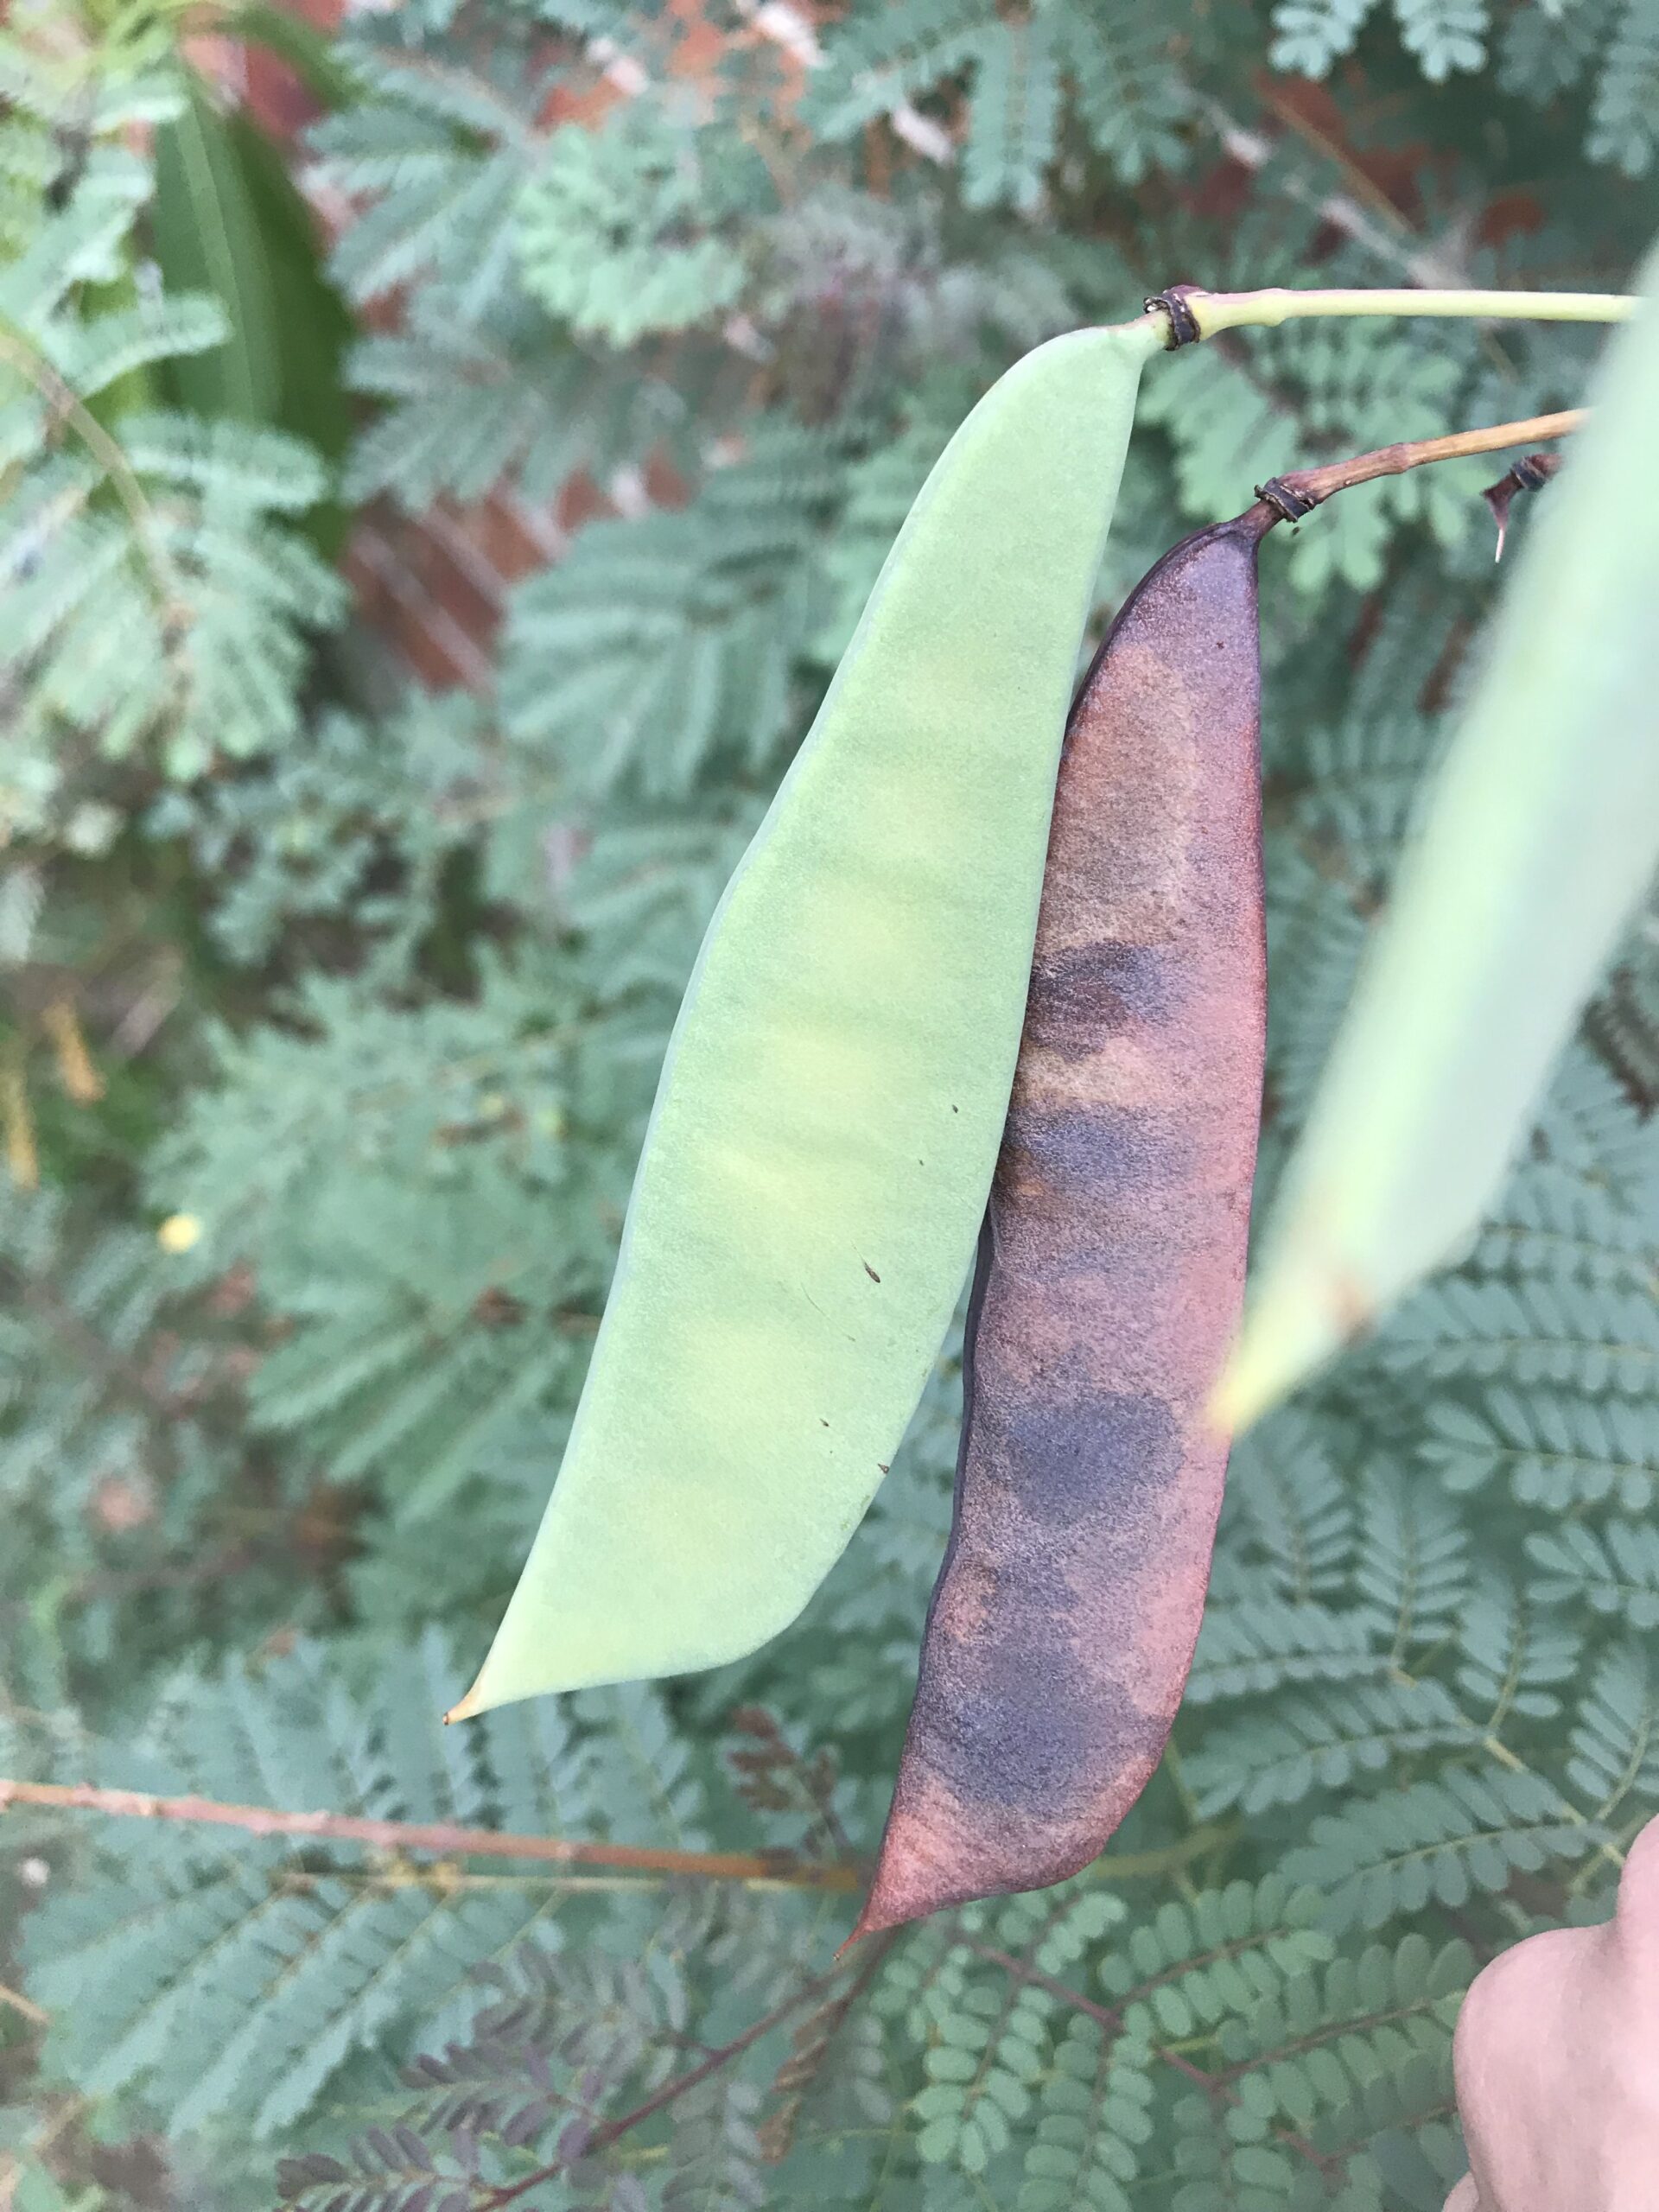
x=1253, y=150
x=32, y=366
x=1107, y=2016
x=777, y=2133
x=443, y=1878
x=1315, y=484
x=1321, y=2036
x=25, y=2007
x=112, y=1369
x=1365, y=189
x=671, y=2092
x=441, y=1837
x=1168, y=1858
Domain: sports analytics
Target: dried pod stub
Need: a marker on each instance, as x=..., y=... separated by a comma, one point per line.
x=1530, y=474
x=1111, y=1266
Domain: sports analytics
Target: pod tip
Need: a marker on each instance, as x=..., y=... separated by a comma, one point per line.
x=874, y=1920
x=908, y=1883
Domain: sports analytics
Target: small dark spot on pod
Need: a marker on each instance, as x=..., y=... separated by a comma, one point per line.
x=1089, y=990
x=1077, y=1455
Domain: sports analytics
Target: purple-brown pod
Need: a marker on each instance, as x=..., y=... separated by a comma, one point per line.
x=1111, y=1267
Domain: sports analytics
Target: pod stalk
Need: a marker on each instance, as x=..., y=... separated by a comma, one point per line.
x=1193, y=313
x=1301, y=490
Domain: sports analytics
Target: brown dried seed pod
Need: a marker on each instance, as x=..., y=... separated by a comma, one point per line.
x=1110, y=1270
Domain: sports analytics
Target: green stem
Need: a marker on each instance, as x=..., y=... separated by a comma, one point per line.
x=1214, y=312
x=18, y=351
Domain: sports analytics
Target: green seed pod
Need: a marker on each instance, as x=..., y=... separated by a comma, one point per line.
x=827, y=1124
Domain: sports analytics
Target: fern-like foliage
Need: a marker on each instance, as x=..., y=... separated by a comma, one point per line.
x=155, y=594
x=222, y=1976
x=437, y=153
x=353, y=833
x=331, y=1012
x=1557, y=1451
x=660, y=641
x=1112, y=66
x=106, y=1369
x=1441, y=36
x=461, y=410
x=1541, y=51
x=620, y=229
x=1542, y=55
x=1622, y=128
x=1616, y=1572
x=419, y=1346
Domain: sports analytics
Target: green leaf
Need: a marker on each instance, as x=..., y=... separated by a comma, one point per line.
x=307, y=50
x=226, y=217
x=205, y=235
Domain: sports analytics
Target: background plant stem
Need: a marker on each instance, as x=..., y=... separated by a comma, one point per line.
x=436, y=1836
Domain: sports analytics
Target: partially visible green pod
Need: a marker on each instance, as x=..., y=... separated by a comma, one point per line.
x=824, y=1134
x=1538, y=837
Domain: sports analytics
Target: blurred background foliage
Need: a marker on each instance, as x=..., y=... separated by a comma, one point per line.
x=442, y=453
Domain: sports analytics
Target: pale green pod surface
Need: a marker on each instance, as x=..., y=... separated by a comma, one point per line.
x=1540, y=835
x=827, y=1123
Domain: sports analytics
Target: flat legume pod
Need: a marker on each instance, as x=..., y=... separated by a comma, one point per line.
x=1111, y=1267
x=827, y=1123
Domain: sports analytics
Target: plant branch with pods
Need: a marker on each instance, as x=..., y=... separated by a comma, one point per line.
x=1105, y=969
x=948, y=707
x=1288, y=497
